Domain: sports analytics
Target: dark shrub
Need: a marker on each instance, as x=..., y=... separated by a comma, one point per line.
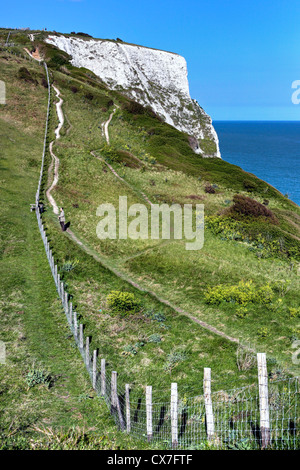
x=89, y=96
x=84, y=34
x=244, y=205
x=24, y=74
x=44, y=82
x=209, y=189
x=74, y=89
x=133, y=107
x=58, y=58
x=249, y=185
x=21, y=39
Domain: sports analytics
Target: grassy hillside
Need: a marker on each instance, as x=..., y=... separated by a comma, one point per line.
x=237, y=248
x=63, y=412
x=243, y=282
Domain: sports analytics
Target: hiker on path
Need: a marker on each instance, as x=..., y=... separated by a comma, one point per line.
x=62, y=219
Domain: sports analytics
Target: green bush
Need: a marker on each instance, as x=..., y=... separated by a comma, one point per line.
x=38, y=376
x=69, y=265
x=122, y=302
x=174, y=358
x=110, y=152
x=249, y=185
x=265, y=239
x=263, y=332
x=155, y=338
x=242, y=294
x=294, y=312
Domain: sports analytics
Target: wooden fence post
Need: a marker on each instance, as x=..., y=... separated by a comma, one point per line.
x=87, y=352
x=75, y=325
x=58, y=285
x=94, y=369
x=103, y=379
x=66, y=305
x=174, y=415
x=210, y=429
x=113, y=391
x=70, y=313
x=263, y=399
x=115, y=404
x=127, y=400
x=62, y=291
x=149, y=412
x=81, y=336
x=55, y=274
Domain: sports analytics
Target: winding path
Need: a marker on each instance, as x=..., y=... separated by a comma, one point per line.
x=90, y=251
x=107, y=123
x=105, y=132
x=55, y=159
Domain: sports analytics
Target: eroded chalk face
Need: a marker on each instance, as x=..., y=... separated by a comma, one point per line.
x=154, y=78
x=2, y=92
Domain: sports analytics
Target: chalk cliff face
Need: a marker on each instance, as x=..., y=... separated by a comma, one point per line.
x=149, y=76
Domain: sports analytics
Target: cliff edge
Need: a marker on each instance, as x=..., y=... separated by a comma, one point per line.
x=151, y=77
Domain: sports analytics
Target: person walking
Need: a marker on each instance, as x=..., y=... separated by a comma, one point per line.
x=62, y=219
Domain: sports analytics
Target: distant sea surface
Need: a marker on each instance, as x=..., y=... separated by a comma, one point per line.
x=268, y=149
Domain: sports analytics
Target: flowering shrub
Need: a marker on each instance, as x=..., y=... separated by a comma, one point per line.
x=263, y=332
x=294, y=312
x=122, y=302
x=264, y=246
x=242, y=294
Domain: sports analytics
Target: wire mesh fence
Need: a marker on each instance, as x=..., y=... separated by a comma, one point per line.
x=262, y=415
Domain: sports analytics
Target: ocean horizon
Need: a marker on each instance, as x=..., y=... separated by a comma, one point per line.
x=268, y=149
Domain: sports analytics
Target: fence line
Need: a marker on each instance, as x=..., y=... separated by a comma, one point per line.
x=258, y=416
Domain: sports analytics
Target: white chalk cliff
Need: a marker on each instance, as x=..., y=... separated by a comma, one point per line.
x=149, y=76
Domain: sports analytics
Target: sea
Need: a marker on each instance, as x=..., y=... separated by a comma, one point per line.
x=268, y=149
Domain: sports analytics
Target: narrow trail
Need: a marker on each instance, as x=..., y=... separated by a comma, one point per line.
x=55, y=159
x=147, y=200
x=34, y=55
x=104, y=263
x=106, y=133
x=107, y=123
x=90, y=251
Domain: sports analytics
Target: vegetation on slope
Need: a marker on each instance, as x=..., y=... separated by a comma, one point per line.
x=242, y=252
x=46, y=399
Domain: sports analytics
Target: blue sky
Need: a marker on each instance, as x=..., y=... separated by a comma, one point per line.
x=242, y=55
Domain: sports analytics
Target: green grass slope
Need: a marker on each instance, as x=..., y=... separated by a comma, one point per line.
x=237, y=248
x=62, y=412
